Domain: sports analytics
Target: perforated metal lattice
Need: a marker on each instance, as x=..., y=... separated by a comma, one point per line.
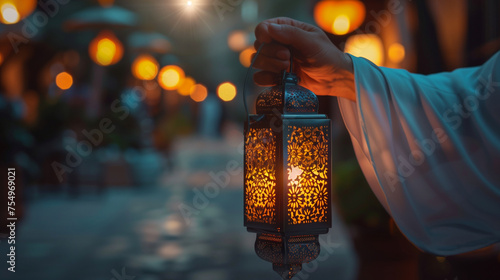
x=288, y=97
x=287, y=253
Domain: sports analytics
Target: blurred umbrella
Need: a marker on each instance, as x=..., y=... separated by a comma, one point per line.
x=100, y=18
x=149, y=42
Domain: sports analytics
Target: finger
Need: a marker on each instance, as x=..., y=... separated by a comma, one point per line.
x=266, y=78
x=274, y=50
x=293, y=36
x=262, y=29
x=271, y=64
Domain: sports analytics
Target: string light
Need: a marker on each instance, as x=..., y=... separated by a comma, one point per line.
x=396, y=53
x=185, y=88
x=145, y=67
x=106, y=49
x=199, y=92
x=226, y=91
x=64, y=80
x=171, y=77
x=246, y=56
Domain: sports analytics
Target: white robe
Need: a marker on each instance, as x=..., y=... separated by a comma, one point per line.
x=429, y=147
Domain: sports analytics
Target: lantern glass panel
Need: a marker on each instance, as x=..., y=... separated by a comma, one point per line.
x=308, y=195
x=260, y=176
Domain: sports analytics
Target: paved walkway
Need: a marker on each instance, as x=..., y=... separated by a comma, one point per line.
x=140, y=233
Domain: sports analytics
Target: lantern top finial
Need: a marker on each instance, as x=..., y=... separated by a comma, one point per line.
x=287, y=97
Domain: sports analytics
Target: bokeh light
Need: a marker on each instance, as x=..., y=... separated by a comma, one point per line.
x=237, y=40
x=145, y=67
x=339, y=16
x=341, y=25
x=12, y=11
x=10, y=14
x=171, y=77
x=246, y=56
x=185, y=88
x=396, y=53
x=64, y=80
x=198, y=92
x=106, y=49
x=368, y=46
x=226, y=91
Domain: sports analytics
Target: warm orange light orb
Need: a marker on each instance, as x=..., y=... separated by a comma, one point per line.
x=339, y=16
x=145, y=67
x=341, y=25
x=64, y=80
x=106, y=49
x=185, y=88
x=246, y=56
x=226, y=91
x=171, y=77
x=396, y=53
x=237, y=40
x=12, y=11
x=368, y=46
x=198, y=92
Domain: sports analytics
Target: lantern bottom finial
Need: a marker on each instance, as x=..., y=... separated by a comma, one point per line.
x=287, y=253
x=287, y=271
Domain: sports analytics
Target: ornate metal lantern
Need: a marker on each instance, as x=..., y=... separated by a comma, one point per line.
x=287, y=176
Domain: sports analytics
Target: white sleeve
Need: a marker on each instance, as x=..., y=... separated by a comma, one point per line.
x=429, y=147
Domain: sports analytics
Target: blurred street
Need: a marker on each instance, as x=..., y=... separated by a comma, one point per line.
x=140, y=232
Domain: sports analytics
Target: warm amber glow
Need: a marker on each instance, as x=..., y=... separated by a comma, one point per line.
x=341, y=25
x=396, y=53
x=307, y=165
x=12, y=11
x=226, y=91
x=185, y=87
x=10, y=14
x=339, y=16
x=198, y=92
x=64, y=80
x=368, y=46
x=294, y=172
x=237, y=40
x=246, y=56
x=171, y=77
x=106, y=49
x=260, y=176
x=145, y=67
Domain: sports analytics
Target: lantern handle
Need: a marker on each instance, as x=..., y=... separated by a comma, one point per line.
x=246, y=79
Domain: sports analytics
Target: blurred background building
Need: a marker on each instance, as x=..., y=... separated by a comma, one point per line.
x=117, y=114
